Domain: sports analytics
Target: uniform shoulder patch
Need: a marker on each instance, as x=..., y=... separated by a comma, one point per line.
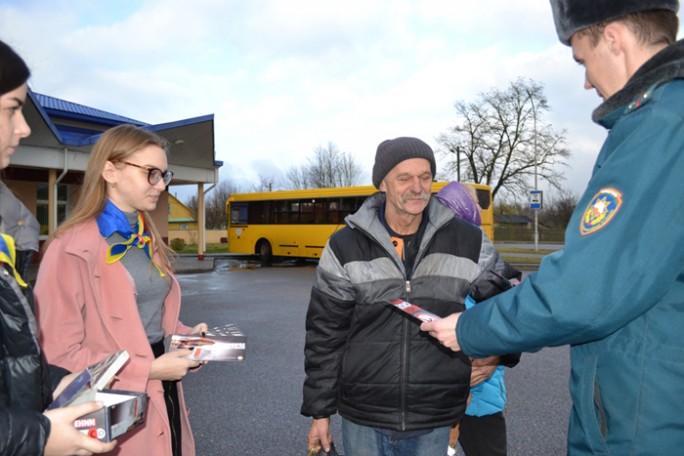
x=641, y=99
x=600, y=210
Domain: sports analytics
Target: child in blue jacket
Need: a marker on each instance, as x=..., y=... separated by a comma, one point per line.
x=482, y=431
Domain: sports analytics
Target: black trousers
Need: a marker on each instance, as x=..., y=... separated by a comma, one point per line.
x=172, y=403
x=483, y=435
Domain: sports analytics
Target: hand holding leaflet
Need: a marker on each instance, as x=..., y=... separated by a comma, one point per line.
x=444, y=330
x=118, y=412
x=222, y=343
x=415, y=311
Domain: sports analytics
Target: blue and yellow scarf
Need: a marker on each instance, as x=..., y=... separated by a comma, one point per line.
x=113, y=220
x=8, y=256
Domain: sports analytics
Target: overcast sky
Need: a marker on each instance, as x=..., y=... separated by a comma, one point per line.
x=283, y=77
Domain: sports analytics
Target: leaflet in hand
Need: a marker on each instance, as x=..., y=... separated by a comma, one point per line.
x=415, y=311
x=122, y=410
x=221, y=343
x=92, y=379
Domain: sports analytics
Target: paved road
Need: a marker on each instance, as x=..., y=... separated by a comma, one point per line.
x=252, y=407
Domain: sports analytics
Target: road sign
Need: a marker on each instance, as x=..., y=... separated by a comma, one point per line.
x=536, y=199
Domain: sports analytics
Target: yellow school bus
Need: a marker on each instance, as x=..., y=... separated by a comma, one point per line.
x=298, y=223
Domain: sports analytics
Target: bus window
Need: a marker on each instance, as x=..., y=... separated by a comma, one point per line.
x=282, y=212
x=484, y=198
x=238, y=214
x=333, y=210
x=257, y=212
x=319, y=211
x=350, y=205
x=307, y=212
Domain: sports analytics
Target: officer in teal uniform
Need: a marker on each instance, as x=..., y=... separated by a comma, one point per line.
x=615, y=293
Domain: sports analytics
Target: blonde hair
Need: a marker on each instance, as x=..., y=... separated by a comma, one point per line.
x=116, y=144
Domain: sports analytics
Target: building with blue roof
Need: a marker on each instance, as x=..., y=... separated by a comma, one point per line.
x=47, y=168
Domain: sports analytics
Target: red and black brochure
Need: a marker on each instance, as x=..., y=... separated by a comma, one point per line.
x=415, y=311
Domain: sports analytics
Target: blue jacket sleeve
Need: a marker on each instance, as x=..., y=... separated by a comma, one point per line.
x=607, y=278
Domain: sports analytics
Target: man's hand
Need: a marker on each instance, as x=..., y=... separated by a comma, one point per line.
x=320, y=434
x=65, y=439
x=444, y=330
x=483, y=368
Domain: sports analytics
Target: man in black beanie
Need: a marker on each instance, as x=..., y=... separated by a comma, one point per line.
x=398, y=391
x=615, y=294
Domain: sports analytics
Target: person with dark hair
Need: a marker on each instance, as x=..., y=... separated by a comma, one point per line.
x=27, y=382
x=398, y=391
x=615, y=293
x=105, y=284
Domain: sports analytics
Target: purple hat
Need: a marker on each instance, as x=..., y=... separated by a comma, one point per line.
x=456, y=197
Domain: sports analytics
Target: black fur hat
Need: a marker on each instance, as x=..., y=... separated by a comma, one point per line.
x=571, y=16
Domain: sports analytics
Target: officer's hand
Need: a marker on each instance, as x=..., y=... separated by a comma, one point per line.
x=444, y=330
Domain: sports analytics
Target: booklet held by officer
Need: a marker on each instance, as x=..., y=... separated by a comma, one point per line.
x=122, y=411
x=221, y=343
x=414, y=311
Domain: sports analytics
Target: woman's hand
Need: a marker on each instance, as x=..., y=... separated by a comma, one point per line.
x=63, y=383
x=64, y=439
x=173, y=365
x=200, y=328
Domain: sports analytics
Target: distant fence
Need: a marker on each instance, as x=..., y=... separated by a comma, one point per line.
x=506, y=233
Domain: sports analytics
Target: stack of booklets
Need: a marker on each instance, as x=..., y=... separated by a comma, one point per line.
x=222, y=343
x=122, y=411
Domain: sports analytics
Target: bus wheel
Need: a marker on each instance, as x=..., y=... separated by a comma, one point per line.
x=264, y=251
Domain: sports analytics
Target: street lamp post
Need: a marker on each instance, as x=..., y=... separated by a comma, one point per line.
x=458, y=163
x=536, y=211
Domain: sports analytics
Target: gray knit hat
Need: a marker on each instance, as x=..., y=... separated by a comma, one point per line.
x=571, y=16
x=394, y=151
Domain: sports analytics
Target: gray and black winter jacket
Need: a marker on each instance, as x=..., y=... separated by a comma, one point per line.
x=369, y=361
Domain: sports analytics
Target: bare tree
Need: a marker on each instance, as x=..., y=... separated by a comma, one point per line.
x=348, y=170
x=214, y=204
x=558, y=210
x=555, y=214
x=328, y=167
x=266, y=184
x=500, y=138
x=192, y=204
x=297, y=177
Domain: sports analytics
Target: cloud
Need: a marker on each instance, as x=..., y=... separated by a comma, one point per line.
x=285, y=77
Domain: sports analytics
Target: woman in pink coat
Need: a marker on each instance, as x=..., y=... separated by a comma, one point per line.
x=105, y=284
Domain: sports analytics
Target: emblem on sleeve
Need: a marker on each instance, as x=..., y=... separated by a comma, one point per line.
x=600, y=210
